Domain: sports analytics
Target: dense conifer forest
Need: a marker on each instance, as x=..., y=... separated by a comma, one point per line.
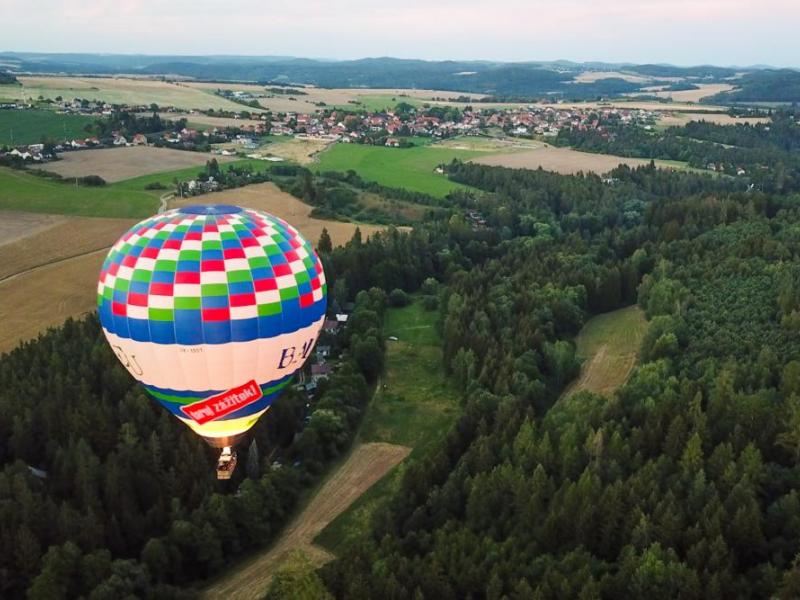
x=682, y=485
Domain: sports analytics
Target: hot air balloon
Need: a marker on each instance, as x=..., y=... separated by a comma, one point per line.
x=213, y=309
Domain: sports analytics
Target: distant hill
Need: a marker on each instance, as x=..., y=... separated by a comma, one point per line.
x=553, y=79
x=773, y=85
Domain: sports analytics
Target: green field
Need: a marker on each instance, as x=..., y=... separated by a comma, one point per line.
x=33, y=126
x=409, y=168
x=414, y=406
x=608, y=346
x=21, y=191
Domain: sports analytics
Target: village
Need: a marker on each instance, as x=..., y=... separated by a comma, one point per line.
x=391, y=128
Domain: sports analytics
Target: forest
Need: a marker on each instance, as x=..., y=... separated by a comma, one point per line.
x=681, y=485
x=766, y=153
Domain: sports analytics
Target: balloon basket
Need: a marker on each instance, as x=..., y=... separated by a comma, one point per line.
x=226, y=464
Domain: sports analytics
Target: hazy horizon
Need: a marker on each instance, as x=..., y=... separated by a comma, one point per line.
x=680, y=32
x=378, y=57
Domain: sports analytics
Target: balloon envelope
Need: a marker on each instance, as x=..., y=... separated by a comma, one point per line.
x=212, y=308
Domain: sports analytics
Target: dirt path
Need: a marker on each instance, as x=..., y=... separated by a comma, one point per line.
x=364, y=467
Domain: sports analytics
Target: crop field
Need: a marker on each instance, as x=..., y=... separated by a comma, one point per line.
x=51, y=274
x=366, y=464
x=33, y=126
x=608, y=345
x=202, y=122
x=268, y=197
x=120, y=90
x=594, y=76
x=414, y=406
x=300, y=150
x=705, y=90
x=45, y=297
x=67, y=237
x=566, y=161
x=117, y=164
x=680, y=118
x=15, y=225
x=410, y=168
x=367, y=98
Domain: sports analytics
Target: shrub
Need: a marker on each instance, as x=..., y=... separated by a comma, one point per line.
x=398, y=298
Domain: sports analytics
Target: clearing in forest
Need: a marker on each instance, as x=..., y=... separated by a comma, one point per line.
x=608, y=345
x=415, y=406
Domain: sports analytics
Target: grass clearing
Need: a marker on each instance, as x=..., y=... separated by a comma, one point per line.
x=415, y=408
x=608, y=345
x=409, y=168
x=34, y=126
x=362, y=468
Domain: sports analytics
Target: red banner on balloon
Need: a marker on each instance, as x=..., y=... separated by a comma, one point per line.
x=223, y=404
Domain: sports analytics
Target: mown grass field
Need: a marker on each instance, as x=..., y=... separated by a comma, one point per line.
x=125, y=199
x=415, y=408
x=22, y=191
x=409, y=168
x=608, y=345
x=34, y=126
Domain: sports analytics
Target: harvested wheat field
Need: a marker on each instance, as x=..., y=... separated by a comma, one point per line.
x=123, y=90
x=562, y=160
x=365, y=466
x=680, y=119
x=206, y=121
x=309, y=101
x=45, y=297
x=67, y=237
x=15, y=225
x=299, y=150
x=594, y=76
x=117, y=164
x=705, y=90
x=268, y=197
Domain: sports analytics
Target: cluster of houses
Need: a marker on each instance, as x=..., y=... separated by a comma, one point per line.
x=344, y=126
x=322, y=367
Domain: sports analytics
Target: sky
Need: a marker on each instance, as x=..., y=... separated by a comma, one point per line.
x=683, y=32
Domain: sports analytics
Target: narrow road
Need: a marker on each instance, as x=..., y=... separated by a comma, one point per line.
x=164, y=199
